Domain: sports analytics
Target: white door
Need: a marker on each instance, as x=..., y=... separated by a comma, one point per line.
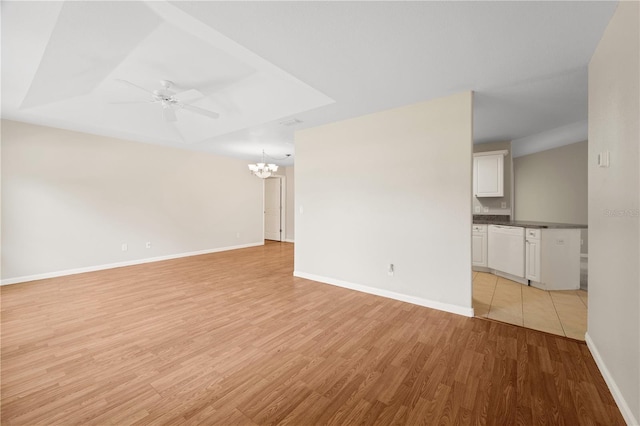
x=272, y=209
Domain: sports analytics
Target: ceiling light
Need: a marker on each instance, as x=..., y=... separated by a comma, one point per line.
x=263, y=170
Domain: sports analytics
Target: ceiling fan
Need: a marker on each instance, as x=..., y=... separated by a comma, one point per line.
x=171, y=101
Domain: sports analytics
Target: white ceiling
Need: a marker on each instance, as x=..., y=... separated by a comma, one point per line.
x=260, y=63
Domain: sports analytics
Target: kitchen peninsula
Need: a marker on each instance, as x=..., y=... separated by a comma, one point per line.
x=545, y=255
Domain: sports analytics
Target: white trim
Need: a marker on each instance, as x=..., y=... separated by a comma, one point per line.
x=482, y=154
x=289, y=240
x=264, y=212
x=121, y=264
x=454, y=309
x=611, y=383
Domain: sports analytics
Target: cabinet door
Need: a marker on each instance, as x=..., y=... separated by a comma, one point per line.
x=479, y=248
x=488, y=175
x=532, y=256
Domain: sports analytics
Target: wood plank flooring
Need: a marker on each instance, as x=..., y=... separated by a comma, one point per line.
x=233, y=338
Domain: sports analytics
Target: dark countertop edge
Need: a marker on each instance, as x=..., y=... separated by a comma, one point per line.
x=528, y=224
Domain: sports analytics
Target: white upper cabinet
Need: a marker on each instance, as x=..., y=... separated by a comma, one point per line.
x=488, y=174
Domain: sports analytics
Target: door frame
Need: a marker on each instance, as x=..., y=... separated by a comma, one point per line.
x=283, y=204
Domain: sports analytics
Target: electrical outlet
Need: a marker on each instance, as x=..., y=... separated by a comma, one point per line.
x=486, y=209
x=391, y=270
x=503, y=205
x=148, y=245
x=125, y=247
x=237, y=235
x=477, y=209
x=560, y=241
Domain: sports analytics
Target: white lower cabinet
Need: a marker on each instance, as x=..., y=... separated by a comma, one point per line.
x=479, y=245
x=547, y=258
x=552, y=258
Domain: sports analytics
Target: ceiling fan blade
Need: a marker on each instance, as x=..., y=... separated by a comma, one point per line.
x=200, y=111
x=132, y=102
x=187, y=96
x=128, y=83
x=169, y=114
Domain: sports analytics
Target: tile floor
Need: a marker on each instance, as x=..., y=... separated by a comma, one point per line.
x=558, y=312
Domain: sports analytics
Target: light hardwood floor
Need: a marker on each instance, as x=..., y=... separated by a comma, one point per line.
x=558, y=312
x=234, y=338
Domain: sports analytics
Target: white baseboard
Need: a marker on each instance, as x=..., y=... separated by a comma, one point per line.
x=289, y=240
x=520, y=280
x=611, y=383
x=55, y=274
x=511, y=277
x=454, y=309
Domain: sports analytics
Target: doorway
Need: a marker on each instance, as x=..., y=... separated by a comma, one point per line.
x=274, y=212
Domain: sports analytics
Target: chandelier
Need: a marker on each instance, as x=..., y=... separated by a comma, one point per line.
x=263, y=170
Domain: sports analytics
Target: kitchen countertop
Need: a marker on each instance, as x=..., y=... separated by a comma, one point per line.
x=528, y=224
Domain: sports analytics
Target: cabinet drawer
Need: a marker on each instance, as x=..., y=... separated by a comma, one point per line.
x=531, y=233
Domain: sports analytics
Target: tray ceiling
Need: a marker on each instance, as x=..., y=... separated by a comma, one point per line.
x=261, y=63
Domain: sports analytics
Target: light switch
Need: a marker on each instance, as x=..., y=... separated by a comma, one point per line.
x=603, y=159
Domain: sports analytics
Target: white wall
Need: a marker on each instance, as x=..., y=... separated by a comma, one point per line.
x=391, y=187
x=69, y=200
x=551, y=186
x=614, y=202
